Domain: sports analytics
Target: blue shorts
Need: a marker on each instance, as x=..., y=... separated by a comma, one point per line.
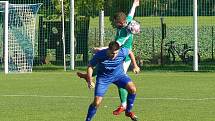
x=102, y=83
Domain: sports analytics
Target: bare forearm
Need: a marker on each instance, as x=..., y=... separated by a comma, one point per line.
x=89, y=73
x=136, y=69
x=133, y=60
x=90, y=82
x=132, y=11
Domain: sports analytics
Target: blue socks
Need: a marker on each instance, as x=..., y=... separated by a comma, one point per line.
x=91, y=112
x=92, y=109
x=130, y=102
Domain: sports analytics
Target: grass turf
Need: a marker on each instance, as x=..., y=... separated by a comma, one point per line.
x=62, y=96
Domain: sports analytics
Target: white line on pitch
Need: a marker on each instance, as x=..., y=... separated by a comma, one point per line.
x=138, y=98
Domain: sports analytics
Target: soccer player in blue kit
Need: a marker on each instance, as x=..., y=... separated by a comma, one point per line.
x=125, y=40
x=109, y=64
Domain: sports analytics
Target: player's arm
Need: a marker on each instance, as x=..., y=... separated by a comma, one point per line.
x=132, y=11
x=96, y=49
x=89, y=77
x=91, y=65
x=136, y=69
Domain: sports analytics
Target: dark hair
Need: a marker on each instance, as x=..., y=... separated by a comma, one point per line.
x=119, y=16
x=113, y=45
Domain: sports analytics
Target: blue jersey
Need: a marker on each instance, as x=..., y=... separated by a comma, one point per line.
x=107, y=67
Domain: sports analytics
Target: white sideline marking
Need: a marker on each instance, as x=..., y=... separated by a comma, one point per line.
x=146, y=98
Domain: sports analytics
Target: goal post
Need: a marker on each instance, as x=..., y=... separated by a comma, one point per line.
x=4, y=8
x=19, y=36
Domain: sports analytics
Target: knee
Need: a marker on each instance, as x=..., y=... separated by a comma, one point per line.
x=96, y=103
x=131, y=88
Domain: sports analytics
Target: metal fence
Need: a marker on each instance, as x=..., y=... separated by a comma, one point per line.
x=162, y=21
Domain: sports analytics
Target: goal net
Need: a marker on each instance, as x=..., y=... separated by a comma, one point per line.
x=18, y=36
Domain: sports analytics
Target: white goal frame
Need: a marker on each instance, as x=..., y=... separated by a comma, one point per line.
x=6, y=13
x=19, y=36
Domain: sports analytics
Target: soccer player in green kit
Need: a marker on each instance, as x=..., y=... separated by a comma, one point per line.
x=125, y=39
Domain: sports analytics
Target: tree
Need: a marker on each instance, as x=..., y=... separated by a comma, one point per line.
x=82, y=7
x=88, y=7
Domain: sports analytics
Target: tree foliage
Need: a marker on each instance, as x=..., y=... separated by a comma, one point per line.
x=88, y=7
x=146, y=8
x=82, y=7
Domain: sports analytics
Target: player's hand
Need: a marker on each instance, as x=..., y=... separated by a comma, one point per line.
x=91, y=84
x=136, y=69
x=136, y=2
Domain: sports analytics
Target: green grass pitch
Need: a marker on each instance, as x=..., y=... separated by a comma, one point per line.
x=61, y=96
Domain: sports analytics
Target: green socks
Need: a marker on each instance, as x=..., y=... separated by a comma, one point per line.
x=123, y=93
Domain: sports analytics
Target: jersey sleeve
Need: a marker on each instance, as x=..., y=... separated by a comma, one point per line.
x=94, y=60
x=129, y=19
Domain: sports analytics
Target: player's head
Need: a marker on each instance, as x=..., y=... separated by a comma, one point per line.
x=113, y=49
x=120, y=19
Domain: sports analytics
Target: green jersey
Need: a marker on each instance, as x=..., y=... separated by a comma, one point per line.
x=125, y=38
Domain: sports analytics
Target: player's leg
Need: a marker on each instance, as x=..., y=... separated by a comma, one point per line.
x=131, y=88
x=100, y=89
x=123, y=101
x=93, y=107
x=122, y=93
